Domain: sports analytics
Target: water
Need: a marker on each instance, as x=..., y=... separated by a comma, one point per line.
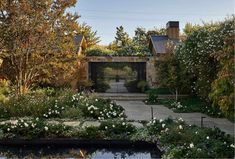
x=78, y=153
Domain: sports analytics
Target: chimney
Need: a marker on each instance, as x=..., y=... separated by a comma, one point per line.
x=172, y=29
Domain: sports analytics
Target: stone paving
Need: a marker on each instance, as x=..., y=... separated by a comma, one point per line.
x=138, y=110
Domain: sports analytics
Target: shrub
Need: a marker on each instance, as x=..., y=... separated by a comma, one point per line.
x=132, y=86
x=4, y=90
x=152, y=96
x=33, y=128
x=102, y=109
x=185, y=141
x=101, y=85
x=193, y=104
x=142, y=85
x=84, y=85
x=118, y=129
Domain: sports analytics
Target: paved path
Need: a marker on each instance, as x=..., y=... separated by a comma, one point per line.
x=138, y=110
x=117, y=87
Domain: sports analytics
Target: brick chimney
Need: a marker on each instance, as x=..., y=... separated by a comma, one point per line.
x=172, y=29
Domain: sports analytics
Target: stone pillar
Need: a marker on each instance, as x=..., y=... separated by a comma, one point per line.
x=151, y=71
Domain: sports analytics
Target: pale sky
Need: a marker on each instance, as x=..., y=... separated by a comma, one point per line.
x=105, y=15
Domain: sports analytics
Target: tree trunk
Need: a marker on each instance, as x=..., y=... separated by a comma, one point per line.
x=176, y=94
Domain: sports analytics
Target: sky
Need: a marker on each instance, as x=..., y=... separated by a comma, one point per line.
x=105, y=15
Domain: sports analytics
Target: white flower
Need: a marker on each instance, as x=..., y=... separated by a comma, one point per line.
x=207, y=137
x=91, y=112
x=123, y=123
x=160, y=120
x=8, y=129
x=163, y=125
x=96, y=100
x=191, y=145
x=113, y=126
x=106, y=127
x=166, y=129
x=180, y=127
x=232, y=145
x=180, y=119
x=196, y=132
x=26, y=125
x=37, y=118
x=46, y=128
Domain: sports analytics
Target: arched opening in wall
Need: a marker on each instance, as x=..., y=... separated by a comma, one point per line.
x=118, y=77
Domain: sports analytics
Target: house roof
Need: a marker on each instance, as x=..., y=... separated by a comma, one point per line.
x=78, y=39
x=159, y=43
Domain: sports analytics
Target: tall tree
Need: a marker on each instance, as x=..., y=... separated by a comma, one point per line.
x=190, y=28
x=222, y=93
x=36, y=40
x=122, y=38
x=140, y=37
x=91, y=36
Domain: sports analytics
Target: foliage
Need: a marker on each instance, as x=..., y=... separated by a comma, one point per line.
x=171, y=74
x=4, y=90
x=178, y=139
x=196, y=54
x=65, y=104
x=136, y=86
x=92, y=133
x=192, y=104
x=98, y=50
x=101, y=85
x=84, y=85
x=118, y=129
x=222, y=93
x=130, y=50
x=34, y=128
x=152, y=96
x=103, y=109
x=90, y=36
x=122, y=38
x=181, y=140
x=142, y=37
x=190, y=28
x=37, y=40
x=142, y=85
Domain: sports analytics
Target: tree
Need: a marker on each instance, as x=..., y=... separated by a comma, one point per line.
x=90, y=36
x=171, y=74
x=196, y=53
x=222, y=93
x=190, y=28
x=122, y=38
x=36, y=40
x=140, y=37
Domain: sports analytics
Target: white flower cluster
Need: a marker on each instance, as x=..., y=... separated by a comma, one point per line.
x=54, y=111
x=178, y=105
x=19, y=124
x=104, y=111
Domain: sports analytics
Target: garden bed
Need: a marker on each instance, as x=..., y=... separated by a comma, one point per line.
x=76, y=142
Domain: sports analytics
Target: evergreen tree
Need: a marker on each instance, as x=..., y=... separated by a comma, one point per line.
x=122, y=38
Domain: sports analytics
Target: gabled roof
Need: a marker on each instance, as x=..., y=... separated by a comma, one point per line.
x=159, y=43
x=80, y=41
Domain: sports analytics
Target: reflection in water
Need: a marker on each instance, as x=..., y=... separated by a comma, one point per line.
x=77, y=153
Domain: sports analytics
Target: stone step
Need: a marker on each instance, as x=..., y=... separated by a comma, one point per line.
x=134, y=96
x=123, y=96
